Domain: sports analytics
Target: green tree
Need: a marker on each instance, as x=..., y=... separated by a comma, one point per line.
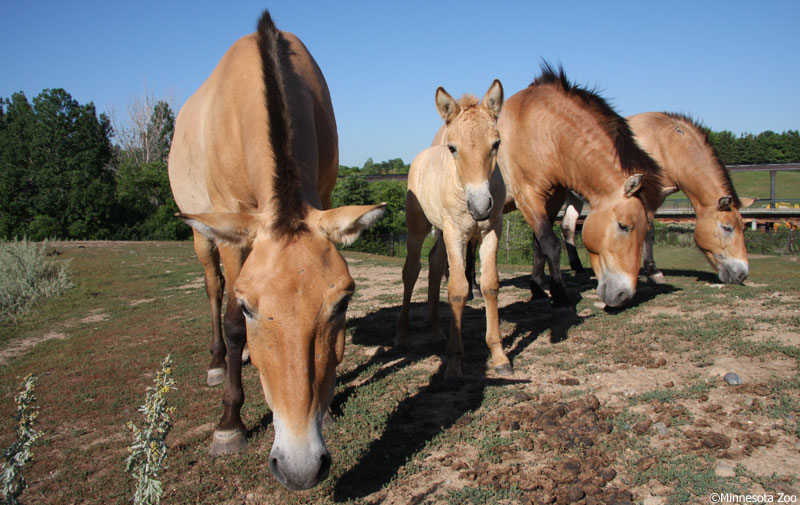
x=55, y=178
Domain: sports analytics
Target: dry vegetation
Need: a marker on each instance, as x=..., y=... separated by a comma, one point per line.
x=603, y=407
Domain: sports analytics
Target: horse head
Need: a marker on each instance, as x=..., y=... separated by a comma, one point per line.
x=613, y=233
x=719, y=233
x=473, y=140
x=293, y=291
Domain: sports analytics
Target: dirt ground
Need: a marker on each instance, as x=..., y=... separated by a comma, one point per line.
x=604, y=406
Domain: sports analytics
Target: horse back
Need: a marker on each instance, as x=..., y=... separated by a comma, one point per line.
x=221, y=158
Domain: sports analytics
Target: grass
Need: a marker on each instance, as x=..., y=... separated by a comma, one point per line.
x=399, y=427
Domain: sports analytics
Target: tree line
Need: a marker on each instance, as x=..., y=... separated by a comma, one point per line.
x=62, y=177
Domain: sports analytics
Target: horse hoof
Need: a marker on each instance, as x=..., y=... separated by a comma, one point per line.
x=657, y=278
x=504, y=370
x=245, y=355
x=454, y=382
x=228, y=442
x=401, y=348
x=216, y=376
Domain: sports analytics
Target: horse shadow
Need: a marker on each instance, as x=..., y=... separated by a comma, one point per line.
x=438, y=405
x=699, y=275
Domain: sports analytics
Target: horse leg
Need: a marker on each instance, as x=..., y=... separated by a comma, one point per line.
x=537, y=281
x=457, y=290
x=474, y=287
x=551, y=248
x=418, y=227
x=569, y=224
x=208, y=255
x=652, y=272
x=437, y=262
x=490, y=285
x=230, y=434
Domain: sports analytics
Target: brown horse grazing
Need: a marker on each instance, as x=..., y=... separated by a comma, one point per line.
x=690, y=164
x=455, y=188
x=557, y=136
x=252, y=165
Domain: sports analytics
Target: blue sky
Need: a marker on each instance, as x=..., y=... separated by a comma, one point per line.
x=735, y=65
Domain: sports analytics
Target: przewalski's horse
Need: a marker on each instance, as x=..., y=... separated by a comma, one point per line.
x=690, y=164
x=559, y=136
x=252, y=166
x=455, y=188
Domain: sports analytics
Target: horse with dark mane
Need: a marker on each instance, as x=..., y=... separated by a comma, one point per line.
x=680, y=145
x=252, y=167
x=557, y=136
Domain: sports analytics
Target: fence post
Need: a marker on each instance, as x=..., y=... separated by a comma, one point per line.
x=772, y=174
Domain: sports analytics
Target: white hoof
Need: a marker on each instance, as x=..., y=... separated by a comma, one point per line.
x=245, y=355
x=216, y=376
x=227, y=442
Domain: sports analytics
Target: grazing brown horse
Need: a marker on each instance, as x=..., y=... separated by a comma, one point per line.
x=252, y=167
x=558, y=136
x=690, y=164
x=453, y=185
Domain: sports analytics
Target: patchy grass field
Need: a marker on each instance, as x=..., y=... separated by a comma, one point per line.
x=605, y=407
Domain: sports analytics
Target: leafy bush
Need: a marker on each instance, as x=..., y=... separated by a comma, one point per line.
x=18, y=454
x=27, y=276
x=149, y=448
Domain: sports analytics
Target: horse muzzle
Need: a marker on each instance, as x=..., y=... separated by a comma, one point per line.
x=733, y=271
x=479, y=201
x=299, y=463
x=615, y=290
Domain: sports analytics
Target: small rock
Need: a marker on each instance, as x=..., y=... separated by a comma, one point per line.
x=569, y=381
x=732, y=379
x=459, y=465
x=669, y=384
x=569, y=494
x=661, y=428
x=724, y=470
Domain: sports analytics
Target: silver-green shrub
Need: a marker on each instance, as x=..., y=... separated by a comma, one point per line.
x=18, y=454
x=149, y=448
x=27, y=276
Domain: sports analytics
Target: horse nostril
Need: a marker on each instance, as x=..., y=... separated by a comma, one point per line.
x=276, y=471
x=324, y=466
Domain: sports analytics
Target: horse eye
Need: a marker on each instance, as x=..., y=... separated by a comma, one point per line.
x=623, y=227
x=341, y=307
x=452, y=148
x=246, y=311
x=727, y=228
x=496, y=145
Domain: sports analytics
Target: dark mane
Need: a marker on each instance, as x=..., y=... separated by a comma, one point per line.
x=701, y=130
x=290, y=211
x=631, y=157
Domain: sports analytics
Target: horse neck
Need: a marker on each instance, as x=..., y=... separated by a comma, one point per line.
x=595, y=175
x=697, y=176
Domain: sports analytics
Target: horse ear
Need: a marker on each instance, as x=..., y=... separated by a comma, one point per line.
x=234, y=228
x=493, y=99
x=632, y=185
x=746, y=202
x=448, y=108
x=668, y=190
x=343, y=225
x=724, y=203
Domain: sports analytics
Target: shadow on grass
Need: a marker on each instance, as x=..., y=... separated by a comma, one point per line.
x=437, y=406
x=699, y=275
